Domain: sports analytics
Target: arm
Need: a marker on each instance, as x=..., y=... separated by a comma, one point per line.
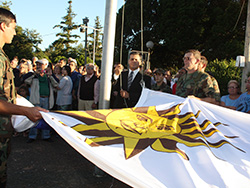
x=76, y=87
x=96, y=91
x=224, y=105
x=115, y=86
x=62, y=83
x=28, y=78
x=27, y=75
x=206, y=99
x=116, y=74
x=147, y=80
x=53, y=80
x=11, y=109
x=209, y=91
x=209, y=99
x=96, y=94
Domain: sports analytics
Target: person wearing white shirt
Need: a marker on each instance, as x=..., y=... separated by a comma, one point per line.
x=64, y=94
x=129, y=86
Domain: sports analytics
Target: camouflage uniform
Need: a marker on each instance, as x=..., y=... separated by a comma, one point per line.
x=163, y=87
x=216, y=89
x=7, y=93
x=198, y=84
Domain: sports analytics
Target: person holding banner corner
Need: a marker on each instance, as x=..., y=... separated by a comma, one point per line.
x=8, y=94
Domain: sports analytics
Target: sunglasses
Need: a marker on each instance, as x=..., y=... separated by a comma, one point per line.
x=247, y=81
x=186, y=58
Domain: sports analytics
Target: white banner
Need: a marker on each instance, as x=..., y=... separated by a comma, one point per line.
x=166, y=141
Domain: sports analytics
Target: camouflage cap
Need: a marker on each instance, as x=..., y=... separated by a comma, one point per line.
x=159, y=71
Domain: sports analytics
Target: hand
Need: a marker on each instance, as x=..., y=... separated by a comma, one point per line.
x=115, y=93
x=231, y=107
x=124, y=94
x=193, y=97
x=94, y=106
x=18, y=96
x=30, y=67
x=118, y=69
x=74, y=97
x=33, y=113
x=49, y=71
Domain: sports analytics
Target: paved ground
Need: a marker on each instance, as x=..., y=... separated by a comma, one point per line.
x=43, y=164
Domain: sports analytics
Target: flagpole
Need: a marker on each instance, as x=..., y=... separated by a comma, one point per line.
x=108, y=53
x=246, y=69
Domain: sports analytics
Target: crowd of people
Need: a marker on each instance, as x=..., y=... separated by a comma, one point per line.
x=65, y=86
x=190, y=81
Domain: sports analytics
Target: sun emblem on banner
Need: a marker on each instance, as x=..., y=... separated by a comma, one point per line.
x=140, y=127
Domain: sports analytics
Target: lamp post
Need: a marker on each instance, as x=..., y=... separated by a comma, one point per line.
x=85, y=22
x=149, y=45
x=95, y=42
x=83, y=29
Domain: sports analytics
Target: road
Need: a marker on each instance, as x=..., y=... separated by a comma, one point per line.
x=54, y=164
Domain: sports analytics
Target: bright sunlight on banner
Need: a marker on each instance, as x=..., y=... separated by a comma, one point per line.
x=165, y=141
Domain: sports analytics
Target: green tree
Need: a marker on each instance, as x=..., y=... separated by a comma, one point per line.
x=54, y=50
x=132, y=27
x=6, y=4
x=58, y=58
x=66, y=38
x=180, y=28
x=220, y=39
x=223, y=71
x=178, y=25
x=24, y=44
x=80, y=55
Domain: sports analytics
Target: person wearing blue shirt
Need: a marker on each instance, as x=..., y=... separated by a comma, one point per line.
x=233, y=98
x=244, y=105
x=75, y=76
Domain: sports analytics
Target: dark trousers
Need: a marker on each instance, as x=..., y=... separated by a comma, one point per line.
x=4, y=154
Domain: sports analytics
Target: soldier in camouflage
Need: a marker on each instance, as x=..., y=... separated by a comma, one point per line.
x=195, y=84
x=8, y=95
x=202, y=66
x=159, y=76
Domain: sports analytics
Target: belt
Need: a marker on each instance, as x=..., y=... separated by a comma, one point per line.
x=44, y=96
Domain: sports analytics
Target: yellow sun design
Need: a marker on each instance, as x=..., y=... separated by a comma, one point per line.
x=138, y=128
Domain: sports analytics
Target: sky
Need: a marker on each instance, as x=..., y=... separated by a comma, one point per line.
x=43, y=15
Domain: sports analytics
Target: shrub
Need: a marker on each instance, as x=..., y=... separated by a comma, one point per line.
x=224, y=71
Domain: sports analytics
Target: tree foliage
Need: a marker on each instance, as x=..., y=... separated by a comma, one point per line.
x=6, y=4
x=66, y=38
x=24, y=44
x=178, y=25
x=64, y=45
x=224, y=71
x=132, y=26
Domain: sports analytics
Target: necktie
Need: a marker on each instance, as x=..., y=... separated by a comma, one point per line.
x=130, y=79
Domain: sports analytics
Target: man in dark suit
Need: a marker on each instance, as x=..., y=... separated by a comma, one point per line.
x=132, y=82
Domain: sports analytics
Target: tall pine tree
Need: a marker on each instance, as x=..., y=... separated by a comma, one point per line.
x=66, y=38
